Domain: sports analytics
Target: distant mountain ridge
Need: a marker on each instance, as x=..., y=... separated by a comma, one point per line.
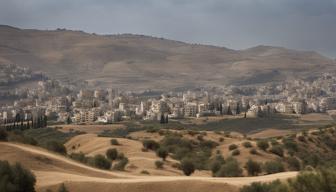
x=142, y=62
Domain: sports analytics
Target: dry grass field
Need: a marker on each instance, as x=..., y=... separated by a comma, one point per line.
x=52, y=169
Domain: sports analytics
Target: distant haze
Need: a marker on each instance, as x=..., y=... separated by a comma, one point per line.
x=237, y=24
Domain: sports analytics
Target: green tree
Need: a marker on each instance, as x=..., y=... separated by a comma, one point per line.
x=68, y=120
x=114, y=142
x=253, y=168
x=229, y=112
x=275, y=186
x=238, y=109
x=162, y=119
x=120, y=166
x=150, y=144
x=45, y=121
x=323, y=180
x=187, y=167
x=56, y=147
x=263, y=144
x=3, y=135
x=216, y=164
x=230, y=169
x=62, y=188
x=277, y=149
x=293, y=164
x=162, y=153
x=233, y=147
x=273, y=167
x=16, y=178
x=112, y=154
x=101, y=162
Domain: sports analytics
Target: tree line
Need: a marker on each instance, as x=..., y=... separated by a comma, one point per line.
x=20, y=123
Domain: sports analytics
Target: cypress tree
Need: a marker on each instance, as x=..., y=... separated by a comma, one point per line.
x=238, y=109
x=45, y=121
x=38, y=122
x=21, y=125
x=162, y=119
x=248, y=106
x=229, y=112
x=68, y=120
x=28, y=124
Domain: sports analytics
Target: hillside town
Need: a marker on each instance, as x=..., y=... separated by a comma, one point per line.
x=65, y=104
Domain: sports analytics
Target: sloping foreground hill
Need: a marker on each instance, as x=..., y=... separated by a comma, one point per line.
x=51, y=170
x=146, y=62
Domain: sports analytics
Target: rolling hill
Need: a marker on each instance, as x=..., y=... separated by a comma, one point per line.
x=52, y=169
x=146, y=62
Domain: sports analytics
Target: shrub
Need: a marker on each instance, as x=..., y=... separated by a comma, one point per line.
x=233, y=147
x=221, y=139
x=120, y=156
x=247, y=144
x=235, y=152
x=62, y=188
x=274, y=142
x=120, y=166
x=290, y=144
x=208, y=144
x=263, y=144
x=277, y=149
x=101, y=162
x=253, y=168
x=159, y=164
x=200, y=137
x=230, y=169
x=16, y=178
x=275, y=186
x=293, y=164
x=216, y=164
x=187, y=166
x=79, y=157
x=112, y=154
x=162, y=153
x=273, y=167
x=3, y=135
x=114, y=142
x=145, y=172
x=150, y=144
x=323, y=180
x=192, y=133
x=302, y=138
x=254, y=152
x=56, y=147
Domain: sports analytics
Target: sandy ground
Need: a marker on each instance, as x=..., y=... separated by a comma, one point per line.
x=316, y=117
x=79, y=177
x=270, y=133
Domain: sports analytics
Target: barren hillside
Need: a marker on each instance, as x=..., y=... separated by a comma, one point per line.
x=146, y=62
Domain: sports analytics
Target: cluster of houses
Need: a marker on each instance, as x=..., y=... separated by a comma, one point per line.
x=63, y=104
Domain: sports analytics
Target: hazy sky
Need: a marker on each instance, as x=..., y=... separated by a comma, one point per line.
x=237, y=24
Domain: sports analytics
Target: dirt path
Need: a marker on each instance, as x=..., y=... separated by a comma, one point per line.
x=52, y=178
x=47, y=178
